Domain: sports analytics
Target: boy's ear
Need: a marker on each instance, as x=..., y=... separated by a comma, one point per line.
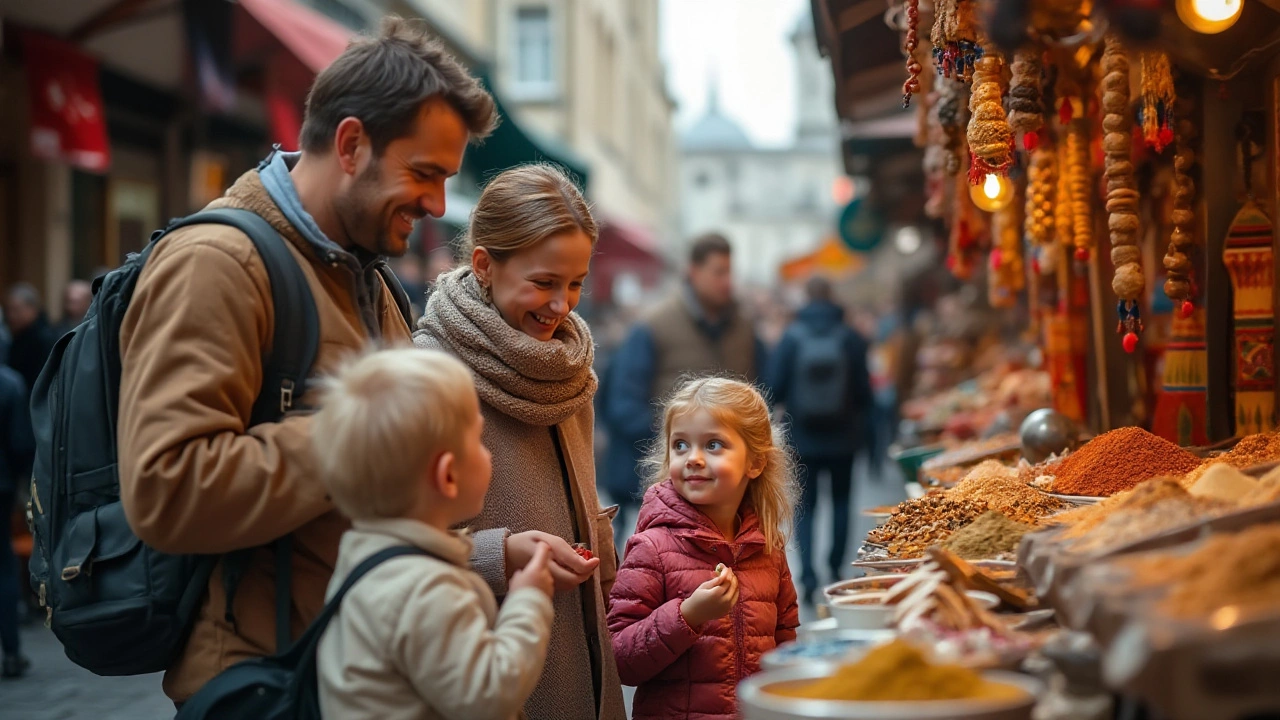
x=443, y=479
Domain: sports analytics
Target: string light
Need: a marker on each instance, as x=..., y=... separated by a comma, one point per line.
x=1209, y=16
x=993, y=193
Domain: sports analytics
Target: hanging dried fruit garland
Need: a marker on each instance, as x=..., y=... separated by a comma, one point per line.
x=1041, y=181
x=1076, y=170
x=910, y=43
x=990, y=137
x=1179, y=285
x=1026, y=101
x=1122, y=191
x=955, y=38
x=951, y=117
x=1158, y=97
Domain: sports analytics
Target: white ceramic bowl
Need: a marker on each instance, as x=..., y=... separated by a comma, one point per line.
x=862, y=584
x=864, y=610
x=755, y=703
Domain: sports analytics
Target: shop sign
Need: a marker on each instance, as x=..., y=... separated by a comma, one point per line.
x=859, y=227
x=68, y=123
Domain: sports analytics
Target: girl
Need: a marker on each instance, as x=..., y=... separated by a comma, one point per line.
x=704, y=589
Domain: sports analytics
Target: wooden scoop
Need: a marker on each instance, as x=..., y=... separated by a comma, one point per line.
x=966, y=575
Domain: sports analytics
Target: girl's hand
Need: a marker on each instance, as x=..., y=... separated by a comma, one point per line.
x=713, y=599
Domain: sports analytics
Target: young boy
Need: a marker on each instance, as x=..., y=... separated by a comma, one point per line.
x=398, y=440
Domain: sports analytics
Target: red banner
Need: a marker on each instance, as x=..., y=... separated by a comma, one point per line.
x=67, y=119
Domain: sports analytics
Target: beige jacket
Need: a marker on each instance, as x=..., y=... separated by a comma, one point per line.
x=420, y=638
x=193, y=479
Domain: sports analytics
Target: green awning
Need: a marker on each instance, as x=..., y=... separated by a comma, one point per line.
x=511, y=145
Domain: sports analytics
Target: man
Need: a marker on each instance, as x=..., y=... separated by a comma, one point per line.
x=31, y=336
x=75, y=304
x=17, y=447
x=819, y=375
x=696, y=331
x=385, y=125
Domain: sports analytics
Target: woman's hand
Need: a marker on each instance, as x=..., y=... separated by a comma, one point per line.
x=713, y=599
x=568, y=568
x=536, y=574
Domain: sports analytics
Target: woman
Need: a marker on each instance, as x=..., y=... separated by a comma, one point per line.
x=509, y=317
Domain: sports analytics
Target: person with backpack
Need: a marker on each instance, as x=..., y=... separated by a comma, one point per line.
x=16, y=449
x=819, y=377
x=231, y=538
x=698, y=330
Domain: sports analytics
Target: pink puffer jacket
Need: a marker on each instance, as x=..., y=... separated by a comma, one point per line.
x=684, y=672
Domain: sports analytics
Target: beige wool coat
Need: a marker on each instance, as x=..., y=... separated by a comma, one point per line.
x=536, y=402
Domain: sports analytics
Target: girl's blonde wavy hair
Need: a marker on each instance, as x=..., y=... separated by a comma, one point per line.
x=738, y=405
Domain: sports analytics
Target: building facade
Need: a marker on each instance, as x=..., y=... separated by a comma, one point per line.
x=773, y=204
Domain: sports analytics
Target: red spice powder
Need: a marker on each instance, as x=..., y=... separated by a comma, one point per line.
x=1118, y=461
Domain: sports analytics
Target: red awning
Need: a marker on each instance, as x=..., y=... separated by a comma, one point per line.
x=636, y=237
x=311, y=37
x=65, y=104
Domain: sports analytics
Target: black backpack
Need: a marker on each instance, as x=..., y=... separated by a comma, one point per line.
x=118, y=606
x=820, y=382
x=283, y=686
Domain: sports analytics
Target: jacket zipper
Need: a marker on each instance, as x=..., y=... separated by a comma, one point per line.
x=47, y=590
x=739, y=657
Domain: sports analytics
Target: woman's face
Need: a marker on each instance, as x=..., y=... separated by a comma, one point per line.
x=536, y=289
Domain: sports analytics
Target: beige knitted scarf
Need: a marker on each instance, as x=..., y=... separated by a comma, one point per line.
x=536, y=382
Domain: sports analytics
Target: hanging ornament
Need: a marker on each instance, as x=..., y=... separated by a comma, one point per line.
x=1041, y=182
x=955, y=38
x=967, y=231
x=1177, y=259
x=1026, y=101
x=990, y=137
x=1078, y=183
x=1122, y=192
x=1156, y=114
x=909, y=45
x=952, y=119
x=1007, y=276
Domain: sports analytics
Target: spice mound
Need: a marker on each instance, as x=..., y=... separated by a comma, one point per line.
x=1240, y=569
x=917, y=524
x=1154, y=507
x=1119, y=460
x=1002, y=489
x=1250, y=451
x=991, y=535
x=1223, y=482
x=898, y=671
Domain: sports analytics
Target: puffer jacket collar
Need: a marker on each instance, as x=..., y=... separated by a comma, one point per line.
x=664, y=507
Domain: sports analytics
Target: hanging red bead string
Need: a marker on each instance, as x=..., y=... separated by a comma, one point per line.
x=912, y=85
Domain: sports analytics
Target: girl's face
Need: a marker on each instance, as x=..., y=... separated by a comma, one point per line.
x=709, y=462
x=536, y=289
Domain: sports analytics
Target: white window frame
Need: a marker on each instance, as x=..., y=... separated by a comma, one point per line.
x=525, y=89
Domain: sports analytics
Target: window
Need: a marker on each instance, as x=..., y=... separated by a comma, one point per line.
x=533, y=49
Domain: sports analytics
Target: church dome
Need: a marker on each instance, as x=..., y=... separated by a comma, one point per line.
x=715, y=130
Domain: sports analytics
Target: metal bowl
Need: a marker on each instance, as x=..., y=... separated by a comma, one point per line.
x=756, y=703
x=1046, y=432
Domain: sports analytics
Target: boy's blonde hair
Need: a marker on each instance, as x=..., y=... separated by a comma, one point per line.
x=738, y=405
x=383, y=417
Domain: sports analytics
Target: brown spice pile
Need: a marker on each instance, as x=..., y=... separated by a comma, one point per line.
x=1002, y=489
x=987, y=537
x=1154, y=507
x=1150, y=493
x=1250, y=451
x=1119, y=460
x=915, y=525
x=1238, y=569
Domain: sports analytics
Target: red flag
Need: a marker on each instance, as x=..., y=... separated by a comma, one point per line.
x=67, y=119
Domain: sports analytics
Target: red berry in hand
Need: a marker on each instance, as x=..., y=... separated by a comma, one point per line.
x=1130, y=342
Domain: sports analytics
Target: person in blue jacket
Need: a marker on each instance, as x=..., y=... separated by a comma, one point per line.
x=819, y=377
x=697, y=330
x=17, y=449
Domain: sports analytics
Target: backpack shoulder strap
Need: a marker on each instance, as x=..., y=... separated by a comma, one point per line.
x=296, y=339
x=397, y=292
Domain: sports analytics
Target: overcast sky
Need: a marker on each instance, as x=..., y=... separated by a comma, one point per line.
x=744, y=45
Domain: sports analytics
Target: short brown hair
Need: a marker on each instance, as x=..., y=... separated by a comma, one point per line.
x=706, y=245
x=383, y=81
x=525, y=205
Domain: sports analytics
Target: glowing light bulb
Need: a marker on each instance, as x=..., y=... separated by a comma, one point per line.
x=1209, y=16
x=991, y=187
x=993, y=193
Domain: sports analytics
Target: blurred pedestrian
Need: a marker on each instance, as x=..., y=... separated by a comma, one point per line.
x=386, y=123
x=76, y=299
x=408, y=270
x=698, y=330
x=819, y=377
x=17, y=448
x=31, y=335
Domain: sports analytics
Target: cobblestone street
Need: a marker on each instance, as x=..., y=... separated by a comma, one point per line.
x=56, y=689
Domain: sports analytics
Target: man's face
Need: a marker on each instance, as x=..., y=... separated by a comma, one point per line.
x=384, y=199
x=713, y=281
x=18, y=315
x=76, y=300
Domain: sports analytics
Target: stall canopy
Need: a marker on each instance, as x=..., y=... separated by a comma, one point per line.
x=513, y=144
x=832, y=259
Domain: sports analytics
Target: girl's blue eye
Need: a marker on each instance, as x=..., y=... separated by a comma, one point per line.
x=714, y=444
x=680, y=445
